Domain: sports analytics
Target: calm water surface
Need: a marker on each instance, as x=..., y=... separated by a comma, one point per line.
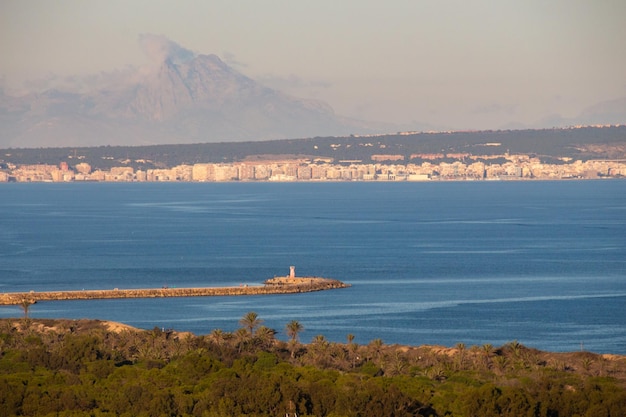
x=543, y=263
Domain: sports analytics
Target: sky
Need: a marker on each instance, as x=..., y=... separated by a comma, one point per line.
x=445, y=64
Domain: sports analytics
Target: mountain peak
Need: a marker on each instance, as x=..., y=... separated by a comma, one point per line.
x=203, y=82
x=159, y=49
x=184, y=97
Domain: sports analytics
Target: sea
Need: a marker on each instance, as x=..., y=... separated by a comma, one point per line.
x=542, y=263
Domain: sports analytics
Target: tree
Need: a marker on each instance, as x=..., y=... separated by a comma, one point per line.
x=250, y=321
x=352, y=349
x=320, y=341
x=218, y=337
x=25, y=305
x=460, y=347
x=294, y=328
x=375, y=350
x=487, y=349
x=241, y=339
x=318, y=349
x=265, y=336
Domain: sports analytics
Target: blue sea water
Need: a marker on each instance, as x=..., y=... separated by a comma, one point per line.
x=543, y=263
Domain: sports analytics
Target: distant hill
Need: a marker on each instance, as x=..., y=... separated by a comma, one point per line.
x=547, y=144
x=183, y=98
x=606, y=112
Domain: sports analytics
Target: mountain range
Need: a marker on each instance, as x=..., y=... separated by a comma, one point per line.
x=183, y=98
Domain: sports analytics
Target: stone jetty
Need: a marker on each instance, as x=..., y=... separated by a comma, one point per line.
x=277, y=285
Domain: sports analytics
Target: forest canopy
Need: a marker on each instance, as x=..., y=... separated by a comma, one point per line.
x=86, y=367
x=549, y=145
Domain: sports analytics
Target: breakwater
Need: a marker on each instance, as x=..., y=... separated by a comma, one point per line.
x=277, y=285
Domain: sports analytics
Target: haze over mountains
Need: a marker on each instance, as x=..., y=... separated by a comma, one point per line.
x=184, y=97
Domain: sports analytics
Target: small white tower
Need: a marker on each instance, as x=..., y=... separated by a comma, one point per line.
x=292, y=271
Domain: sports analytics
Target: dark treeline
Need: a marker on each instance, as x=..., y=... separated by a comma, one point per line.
x=84, y=368
x=546, y=144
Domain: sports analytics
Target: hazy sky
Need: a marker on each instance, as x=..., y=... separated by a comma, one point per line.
x=449, y=63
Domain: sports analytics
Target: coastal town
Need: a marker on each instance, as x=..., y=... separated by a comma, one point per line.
x=382, y=167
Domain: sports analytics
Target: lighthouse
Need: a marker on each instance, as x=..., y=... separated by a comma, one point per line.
x=292, y=272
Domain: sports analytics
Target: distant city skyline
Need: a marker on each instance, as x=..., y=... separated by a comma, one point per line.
x=447, y=64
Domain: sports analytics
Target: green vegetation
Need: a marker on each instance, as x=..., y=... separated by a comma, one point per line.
x=547, y=144
x=90, y=368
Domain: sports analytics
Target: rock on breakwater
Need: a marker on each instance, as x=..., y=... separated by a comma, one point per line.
x=277, y=285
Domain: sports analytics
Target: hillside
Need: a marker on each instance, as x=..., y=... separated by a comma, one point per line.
x=182, y=97
x=549, y=145
x=87, y=367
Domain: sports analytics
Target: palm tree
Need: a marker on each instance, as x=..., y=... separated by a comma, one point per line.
x=294, y=328
x=460, y=347
x=501, y=362
x=250, y=321
x=265, y=336
x=241, y=339
x=516, y=348
x=352, y=349
x=217, y=336
x=487, y=349
x=319, y=347
x=25, y=305
x=375, y=348
x=398, y=364
x=320, y=341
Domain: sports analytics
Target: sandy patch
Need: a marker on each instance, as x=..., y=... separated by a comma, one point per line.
x=116, y=327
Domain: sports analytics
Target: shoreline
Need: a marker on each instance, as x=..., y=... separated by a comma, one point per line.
x=276, y=285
